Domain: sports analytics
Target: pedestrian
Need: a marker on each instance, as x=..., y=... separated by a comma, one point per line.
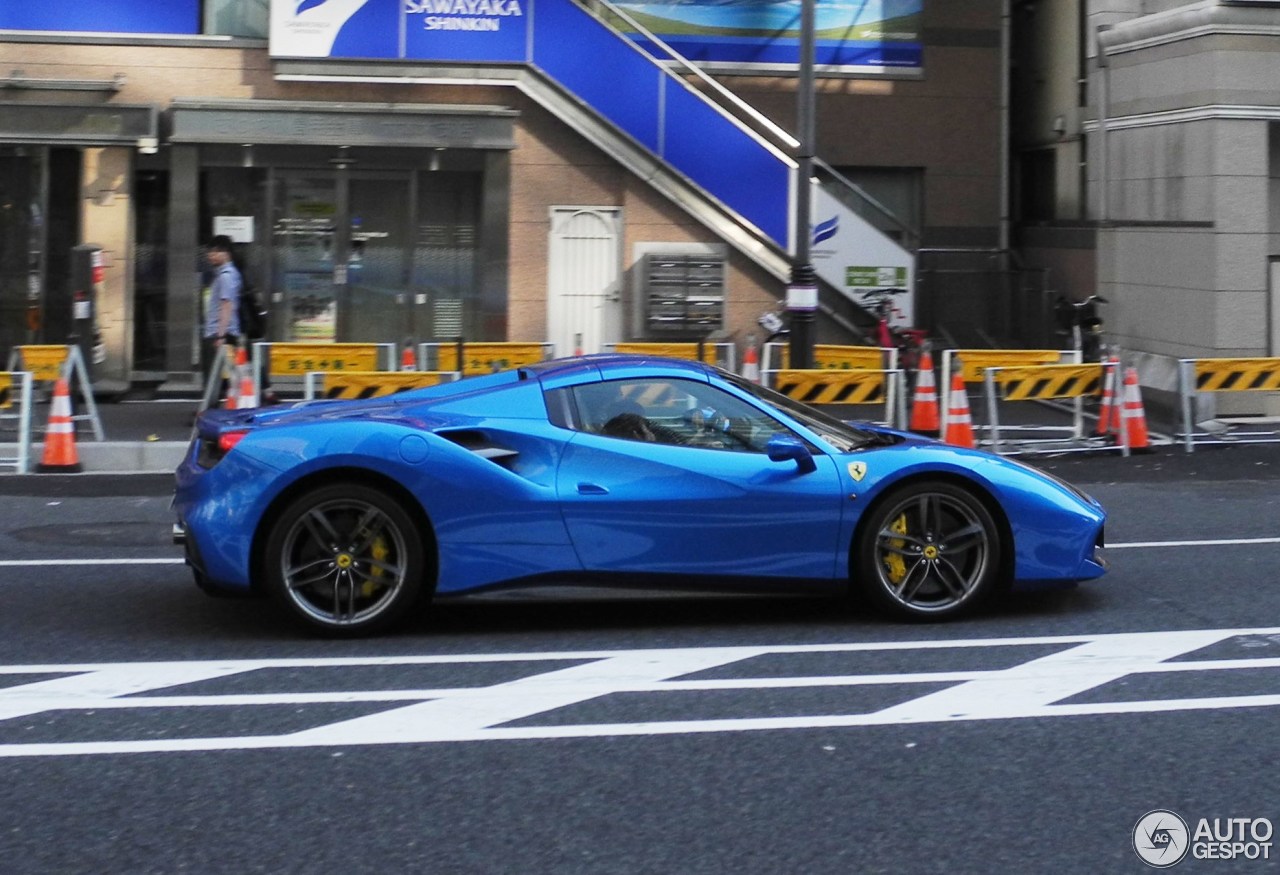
x=221, y=304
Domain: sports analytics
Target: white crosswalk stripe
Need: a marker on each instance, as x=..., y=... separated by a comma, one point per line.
x=1037, y=686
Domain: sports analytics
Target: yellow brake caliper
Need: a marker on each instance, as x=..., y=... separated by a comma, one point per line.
x=380, y=551
x=893, y=562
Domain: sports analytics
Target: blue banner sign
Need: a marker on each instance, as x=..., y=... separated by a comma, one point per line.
x=103, y=16
x=849, y=35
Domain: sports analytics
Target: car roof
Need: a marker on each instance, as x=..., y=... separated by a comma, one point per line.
x=609, y=362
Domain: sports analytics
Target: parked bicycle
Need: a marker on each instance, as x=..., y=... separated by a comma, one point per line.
x=909, y=342
x=1081, y=321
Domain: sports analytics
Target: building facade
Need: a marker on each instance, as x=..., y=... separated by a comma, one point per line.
x=393, y=198
x=1147, y=160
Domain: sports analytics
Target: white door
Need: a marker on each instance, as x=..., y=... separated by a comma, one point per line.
x=584, y=279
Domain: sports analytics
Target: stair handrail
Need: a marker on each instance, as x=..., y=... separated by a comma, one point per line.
x=911, y=237
x=779, y=132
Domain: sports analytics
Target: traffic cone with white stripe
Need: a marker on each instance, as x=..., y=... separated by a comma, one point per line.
x=1109, y=411
x=1135, y=417
x=246, y=397
x=60, y=456
x=751, y=362
x=924, y=404
x=959, y=422
x=408, y=361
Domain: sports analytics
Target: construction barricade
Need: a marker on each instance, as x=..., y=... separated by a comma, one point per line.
x=472, y=358
x=871, y=387
x=972, y=364
x=16, y=392
x=722, y=355
x=1050, y=382
x=344, y=385
x=830, y=356
x=48, y=363
x=1224, y=375
x=287, y=364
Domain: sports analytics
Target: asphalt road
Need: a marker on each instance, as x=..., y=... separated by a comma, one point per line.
x=147, y=728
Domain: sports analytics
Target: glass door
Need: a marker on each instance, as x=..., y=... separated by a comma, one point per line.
x=305, y=294
x=379, y=253
x=342, y=248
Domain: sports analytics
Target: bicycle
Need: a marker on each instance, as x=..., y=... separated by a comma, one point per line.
x=1082, y=321
x=909, y=342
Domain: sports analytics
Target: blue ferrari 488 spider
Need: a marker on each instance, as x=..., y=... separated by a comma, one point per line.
x=608, y=469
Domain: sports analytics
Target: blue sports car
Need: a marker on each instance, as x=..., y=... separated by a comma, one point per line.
x=608, y=469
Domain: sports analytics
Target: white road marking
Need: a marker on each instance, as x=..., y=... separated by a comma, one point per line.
x=1032, y=688
x=38, y=563
x=1223, y=542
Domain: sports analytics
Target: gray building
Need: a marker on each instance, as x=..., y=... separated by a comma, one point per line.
x=1147, y=167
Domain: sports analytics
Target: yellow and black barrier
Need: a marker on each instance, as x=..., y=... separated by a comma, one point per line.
x=719, y=354
x=471, y=358
x=334, y=385
x=1047, y=382
x=972, y=365
x=830, y=356
x=1225, y=375
x=814, y=386
x=291, y=362
x=48, y=363
x=15, y=391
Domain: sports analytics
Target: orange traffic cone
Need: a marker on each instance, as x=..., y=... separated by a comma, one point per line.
x=60, y=455
x=246, y=397
x=751, y=362
x=408, y=361
x=924, y=405
x=1135, y=417
x=959, y=422
x=1109, y=411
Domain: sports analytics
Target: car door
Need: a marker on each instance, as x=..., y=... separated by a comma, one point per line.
x=697, y=493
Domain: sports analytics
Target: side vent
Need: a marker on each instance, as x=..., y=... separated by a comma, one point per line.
x=476, y=441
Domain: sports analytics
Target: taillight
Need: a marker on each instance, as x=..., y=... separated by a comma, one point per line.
x=228, y=439
x=211, y=450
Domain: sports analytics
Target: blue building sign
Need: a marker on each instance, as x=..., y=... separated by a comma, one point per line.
x=436, y=30
x=103, y=16
x=851, y=35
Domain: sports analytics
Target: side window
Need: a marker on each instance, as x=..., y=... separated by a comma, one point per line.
x=673, y=411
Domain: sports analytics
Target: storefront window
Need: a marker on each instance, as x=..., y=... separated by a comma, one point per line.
x=244, y=18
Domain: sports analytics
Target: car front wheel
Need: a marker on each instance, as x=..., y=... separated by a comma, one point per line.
x=928, y=551
x=344, y=560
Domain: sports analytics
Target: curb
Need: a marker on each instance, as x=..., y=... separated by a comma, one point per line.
x=124, y=457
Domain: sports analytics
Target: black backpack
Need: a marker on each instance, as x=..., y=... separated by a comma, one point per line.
x=253, y=313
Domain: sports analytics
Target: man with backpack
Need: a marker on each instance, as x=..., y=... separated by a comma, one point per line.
x=222, y=303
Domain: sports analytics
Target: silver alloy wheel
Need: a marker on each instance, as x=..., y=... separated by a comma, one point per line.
x=343, y=562
x=934, y=550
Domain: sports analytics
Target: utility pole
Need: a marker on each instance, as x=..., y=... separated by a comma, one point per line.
x=802, y=292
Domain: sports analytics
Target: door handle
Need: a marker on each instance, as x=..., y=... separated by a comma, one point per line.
x=591, y=489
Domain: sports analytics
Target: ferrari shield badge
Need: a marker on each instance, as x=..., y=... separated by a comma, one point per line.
x=858, y=470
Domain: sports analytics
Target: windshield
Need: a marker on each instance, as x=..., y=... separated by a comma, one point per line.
x=840, y=435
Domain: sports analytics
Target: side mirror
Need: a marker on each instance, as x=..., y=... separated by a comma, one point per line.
x=783, y=448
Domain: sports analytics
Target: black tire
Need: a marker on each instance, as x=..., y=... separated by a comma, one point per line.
x=928, y=551
x=344, y=560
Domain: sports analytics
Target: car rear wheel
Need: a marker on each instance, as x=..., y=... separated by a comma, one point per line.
x=344, y=560
x=928, y=551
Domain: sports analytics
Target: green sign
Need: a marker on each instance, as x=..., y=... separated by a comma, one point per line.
x=856, y=277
